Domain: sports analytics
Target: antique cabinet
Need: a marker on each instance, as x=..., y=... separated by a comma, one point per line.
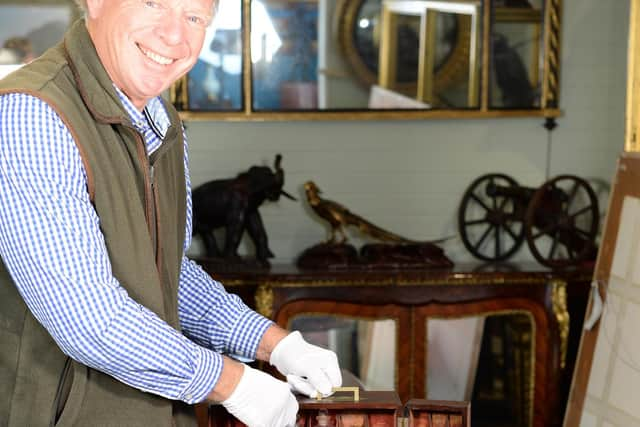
x=372, y=409
x=549, y=305
x=434, y=413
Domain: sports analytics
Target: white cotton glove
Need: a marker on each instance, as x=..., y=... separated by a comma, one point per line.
x=261, y=400
x=309, y=369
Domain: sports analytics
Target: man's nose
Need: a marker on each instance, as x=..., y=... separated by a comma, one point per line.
x=172, y=28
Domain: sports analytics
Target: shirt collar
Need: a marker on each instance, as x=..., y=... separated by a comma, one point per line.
x=154, y=115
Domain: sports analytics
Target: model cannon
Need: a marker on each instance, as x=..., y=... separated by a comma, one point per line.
x=559, y=220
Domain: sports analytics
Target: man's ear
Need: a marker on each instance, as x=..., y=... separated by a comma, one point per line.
x=94, y=8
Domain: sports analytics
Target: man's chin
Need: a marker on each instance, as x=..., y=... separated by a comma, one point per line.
x=152, y=90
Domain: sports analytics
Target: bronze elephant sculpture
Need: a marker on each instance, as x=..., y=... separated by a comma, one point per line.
x=233, y=204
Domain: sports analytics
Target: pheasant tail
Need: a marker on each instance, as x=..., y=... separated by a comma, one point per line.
x=373, y=230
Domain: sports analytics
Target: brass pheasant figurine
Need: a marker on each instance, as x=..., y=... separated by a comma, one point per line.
x=340, y=217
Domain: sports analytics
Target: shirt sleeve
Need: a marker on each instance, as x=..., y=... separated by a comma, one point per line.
x=216, y=319
x=51, y=243
x=208, y=314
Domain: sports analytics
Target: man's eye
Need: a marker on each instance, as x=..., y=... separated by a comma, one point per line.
x=152, y=4
x=198, y=20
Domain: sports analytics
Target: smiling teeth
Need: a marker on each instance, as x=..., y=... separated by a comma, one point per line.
x=155, y=57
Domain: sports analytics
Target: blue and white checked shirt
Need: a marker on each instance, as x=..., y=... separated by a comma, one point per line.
x=51, y=243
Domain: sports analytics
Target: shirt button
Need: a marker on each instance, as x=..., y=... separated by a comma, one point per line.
x=189, y=396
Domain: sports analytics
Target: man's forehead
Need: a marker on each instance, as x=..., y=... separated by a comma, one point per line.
x=208, y=5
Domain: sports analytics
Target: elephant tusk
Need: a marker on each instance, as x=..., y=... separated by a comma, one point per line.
x=288, y=196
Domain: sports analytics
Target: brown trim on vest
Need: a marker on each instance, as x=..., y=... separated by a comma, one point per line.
x=83, y=93
x=85, y=162
x=153, y=222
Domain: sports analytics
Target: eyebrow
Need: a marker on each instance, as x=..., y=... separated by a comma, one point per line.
x=201, y=12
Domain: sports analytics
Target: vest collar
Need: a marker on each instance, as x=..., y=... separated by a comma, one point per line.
x=154, y=115
x=92, y=79
x=95, y=85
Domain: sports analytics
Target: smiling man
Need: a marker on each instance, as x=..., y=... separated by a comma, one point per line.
x=103, y=319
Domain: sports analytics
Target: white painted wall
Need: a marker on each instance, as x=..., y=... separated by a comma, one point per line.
x=409, y=176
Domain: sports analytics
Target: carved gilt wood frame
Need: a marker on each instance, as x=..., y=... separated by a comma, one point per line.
x=549, y=99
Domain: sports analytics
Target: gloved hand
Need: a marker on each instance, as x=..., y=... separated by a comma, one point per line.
x=309, y=369
x=260, y=400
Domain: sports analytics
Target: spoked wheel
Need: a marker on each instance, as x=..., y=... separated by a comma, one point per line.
x=561, y=222
x=490, y=217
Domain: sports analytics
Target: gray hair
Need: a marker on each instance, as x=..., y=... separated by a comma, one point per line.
x=82, y=4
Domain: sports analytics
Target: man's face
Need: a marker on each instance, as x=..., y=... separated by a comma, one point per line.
x=146, y=45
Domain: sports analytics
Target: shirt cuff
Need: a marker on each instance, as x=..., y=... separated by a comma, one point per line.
x=208, y=369
x=246, y=336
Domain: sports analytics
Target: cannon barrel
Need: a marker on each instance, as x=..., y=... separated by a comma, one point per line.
x=559, y=220
x=512, y=192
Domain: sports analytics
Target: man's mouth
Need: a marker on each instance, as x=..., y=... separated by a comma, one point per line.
x=156, y=57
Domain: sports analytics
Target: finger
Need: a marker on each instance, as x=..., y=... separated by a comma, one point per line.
x=302, y=386
x=333, y=372
x=319, y=379
x=291, y=413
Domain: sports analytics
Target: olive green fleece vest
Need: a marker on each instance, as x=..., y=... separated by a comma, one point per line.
x=144, y=228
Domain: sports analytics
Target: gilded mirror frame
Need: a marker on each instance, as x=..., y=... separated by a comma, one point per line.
x=549, y=106
x=452, y=68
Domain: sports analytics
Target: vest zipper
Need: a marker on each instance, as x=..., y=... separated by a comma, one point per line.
x=156, y=220
x=154, y=211
x=150, y=197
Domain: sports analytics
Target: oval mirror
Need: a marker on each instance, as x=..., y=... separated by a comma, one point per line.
x=359, y=30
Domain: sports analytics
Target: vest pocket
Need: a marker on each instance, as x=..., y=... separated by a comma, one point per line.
x=69, y=394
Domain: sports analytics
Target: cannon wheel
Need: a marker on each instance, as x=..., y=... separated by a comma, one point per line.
x=489, y=225
x=561, y=222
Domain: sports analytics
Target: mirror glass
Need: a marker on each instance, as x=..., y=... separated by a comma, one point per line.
x=442, y=71
x=367, y=56
x=284, y=54
x=516, y=54
x=486, y=360
x=328, y=55
x=364, y=346
x=215, y=83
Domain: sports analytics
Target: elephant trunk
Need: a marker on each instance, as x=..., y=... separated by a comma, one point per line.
x=279, y=177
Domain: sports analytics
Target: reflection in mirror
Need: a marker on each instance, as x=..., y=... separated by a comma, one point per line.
x=284, y=54
x=215, y=82
x=436, y=24
x=364, y=347
x=516, y=54
x=299, y=63
x=360, y=29
x=374, y=58
x=452, y=357
x=486, y=360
